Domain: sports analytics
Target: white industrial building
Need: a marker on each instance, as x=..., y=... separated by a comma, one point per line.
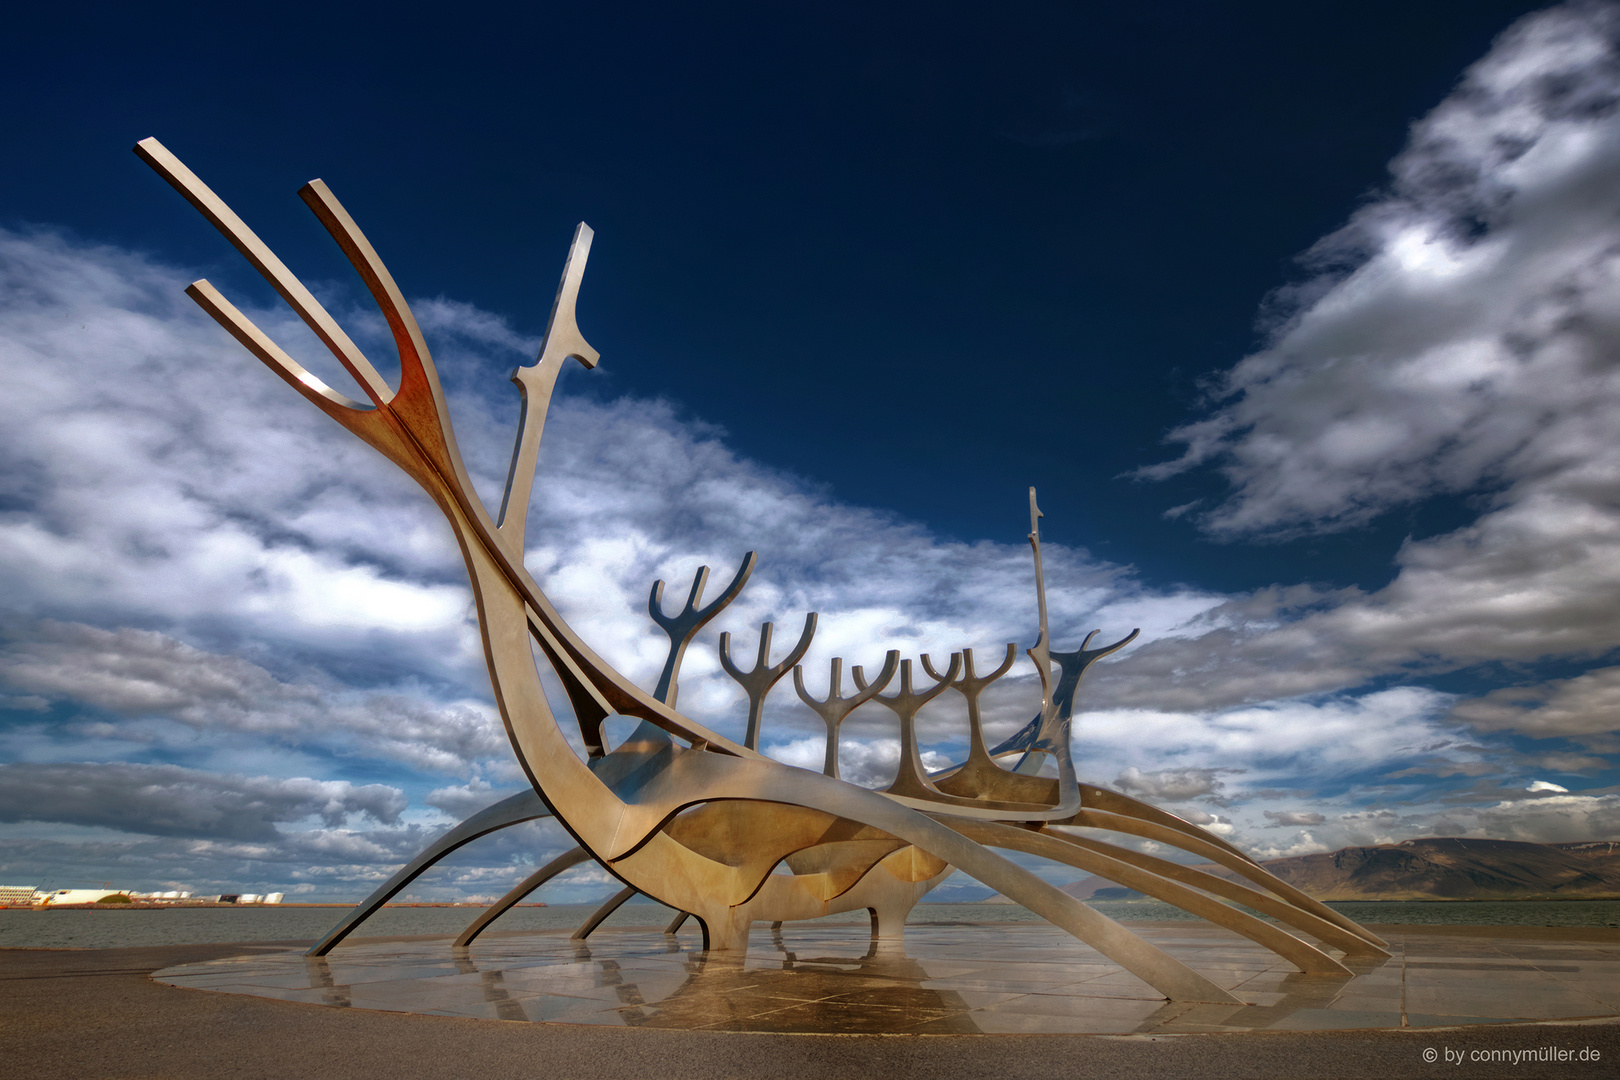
x=80, y=896
x=29, y=894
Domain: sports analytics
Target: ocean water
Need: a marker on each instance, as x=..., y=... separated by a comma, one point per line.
x=112, y=928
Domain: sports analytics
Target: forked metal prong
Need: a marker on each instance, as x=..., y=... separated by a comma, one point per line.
x=910, y=778
x=971, y=686
x=536, y=382
x=683, y=627
x=258, y=253
x=379, y=282
x=759, y=682
x=261, y=345
x=835, y=707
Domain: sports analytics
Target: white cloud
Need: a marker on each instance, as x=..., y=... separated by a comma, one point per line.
x=1551, y=819
x=1304, y=844
x=191, y=492
x=1570, y=763
x=151, y=474
x=140, y=674
x=1586, y=705
x=1287, y=818
x=1453, y=318
x=200, y=567
x=1277, y=742
x=461, y=801
x=165, y=800
x=1171, y=785
x=1456, y=337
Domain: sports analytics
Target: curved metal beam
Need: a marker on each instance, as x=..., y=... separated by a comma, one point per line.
x=566, y=861
x=1098, y=819
x=514, y=810
x=1307, y=957
x=614, y=903
x=1100, y=798
x=1327, y=932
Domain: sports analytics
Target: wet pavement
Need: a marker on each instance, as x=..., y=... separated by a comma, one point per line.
x=944, y=980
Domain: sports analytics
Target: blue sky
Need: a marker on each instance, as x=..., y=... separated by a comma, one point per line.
x=1302, y=323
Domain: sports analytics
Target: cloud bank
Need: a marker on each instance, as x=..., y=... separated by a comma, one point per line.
x=238, y=649
x=1456, y=338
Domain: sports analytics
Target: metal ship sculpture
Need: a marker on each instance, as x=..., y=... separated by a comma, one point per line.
x=712, y=827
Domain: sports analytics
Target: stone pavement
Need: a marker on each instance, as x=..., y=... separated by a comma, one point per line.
x=98, y=1013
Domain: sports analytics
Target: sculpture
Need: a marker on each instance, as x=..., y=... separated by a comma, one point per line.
x=691, y=818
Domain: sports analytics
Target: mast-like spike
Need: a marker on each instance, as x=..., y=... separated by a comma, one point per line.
x=536, y=383
x=1041, y=652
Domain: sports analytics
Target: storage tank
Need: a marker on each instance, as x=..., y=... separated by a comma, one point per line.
x=274, y=897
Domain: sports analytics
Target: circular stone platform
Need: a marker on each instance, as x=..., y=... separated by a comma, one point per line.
x=946, y=979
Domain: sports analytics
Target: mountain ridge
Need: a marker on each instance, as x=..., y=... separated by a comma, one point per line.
x=1434, y=868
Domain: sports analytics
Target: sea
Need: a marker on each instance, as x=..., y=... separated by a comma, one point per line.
x=117, y=927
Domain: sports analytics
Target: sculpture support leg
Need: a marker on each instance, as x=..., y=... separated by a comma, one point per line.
x=567, y=860
x=889, y=920
x=727, y=930
x=615, y=902
x=524, y=806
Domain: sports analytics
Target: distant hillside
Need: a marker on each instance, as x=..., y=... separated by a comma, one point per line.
x=1456, y=869
x=1437, y=868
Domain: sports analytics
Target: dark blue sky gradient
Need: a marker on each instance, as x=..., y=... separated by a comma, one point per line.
x=923, y=256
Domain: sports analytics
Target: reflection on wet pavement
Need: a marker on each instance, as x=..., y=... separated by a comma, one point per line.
x=944, y=979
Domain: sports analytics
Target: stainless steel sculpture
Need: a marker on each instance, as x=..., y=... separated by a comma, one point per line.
x=709, y=826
